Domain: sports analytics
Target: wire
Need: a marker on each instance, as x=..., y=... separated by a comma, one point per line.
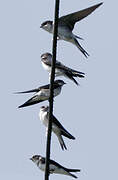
x=54, y=49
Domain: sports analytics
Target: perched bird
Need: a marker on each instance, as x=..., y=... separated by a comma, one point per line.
x=57, y=128
x=66, y=25
x=60, y=69
x=43, y=93
x=54, y=167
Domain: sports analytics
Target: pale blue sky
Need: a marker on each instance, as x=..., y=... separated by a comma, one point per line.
x=89, y=112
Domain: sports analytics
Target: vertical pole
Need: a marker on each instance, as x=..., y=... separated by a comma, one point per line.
x=54, y=48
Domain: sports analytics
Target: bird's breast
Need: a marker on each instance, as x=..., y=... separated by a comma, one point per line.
x=57, y=91
x=43, y=118
x=41, y=166
x=46, y=67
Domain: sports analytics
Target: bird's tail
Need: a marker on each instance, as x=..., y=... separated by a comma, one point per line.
x=78, y=74
x=61, y=141
x=72, y=170
x=70, y=76
x=74, y=41
x=79, y=37
x=72, y=73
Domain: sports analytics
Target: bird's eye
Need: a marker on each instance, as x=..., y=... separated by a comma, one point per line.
x=46, y=24
x=43, y=57
x=36, y=157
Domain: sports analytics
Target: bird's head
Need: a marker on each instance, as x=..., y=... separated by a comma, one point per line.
x=35, y=158
x=46, y=57
x=47, y=25
x=60, y=82
x=44, y=108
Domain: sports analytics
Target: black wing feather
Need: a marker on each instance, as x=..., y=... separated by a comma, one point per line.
x=72, y=18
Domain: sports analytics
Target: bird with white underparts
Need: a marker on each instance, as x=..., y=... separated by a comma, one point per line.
x=42, y=93
x=57, y=127
x=60, y=69
x=54, y=167
x=66, y=25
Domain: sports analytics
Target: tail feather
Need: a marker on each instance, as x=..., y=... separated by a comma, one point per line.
x=70, y=76
x=80, y=48
x=78, y=74
x=75, y=81
x=61, y=141
x=79, y=37
x=70, y=174
x=72, y=170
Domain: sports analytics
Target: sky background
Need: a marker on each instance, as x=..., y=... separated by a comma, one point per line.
x=89, y=112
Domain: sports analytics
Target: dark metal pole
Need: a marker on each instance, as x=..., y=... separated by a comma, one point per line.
x=51, y=88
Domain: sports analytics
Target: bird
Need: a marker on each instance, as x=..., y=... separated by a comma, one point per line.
x=57, y=128
x=60, y=69
x=66, y=25
x=54, y=167
x=42, y=93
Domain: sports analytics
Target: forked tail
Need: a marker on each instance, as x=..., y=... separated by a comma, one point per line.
x=61, y=141
x=80, y=47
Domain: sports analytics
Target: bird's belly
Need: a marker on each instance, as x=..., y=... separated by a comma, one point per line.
x=44, y=119
x=42, y=167
x=64, y=33
x=58, y=72
x=44, y=94
x=47, y=68
x=53, y=169
x=45, y=122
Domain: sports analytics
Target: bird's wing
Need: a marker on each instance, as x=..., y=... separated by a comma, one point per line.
x=72, y=18
x=61, y=66
x=44, y=87
x=56, y=85
x=56, y=164
x=34, y=90
x=56, y=122
x=29, y=91
x=63, y=130
x=57, y=64
x=52, y=162
x=31, y=101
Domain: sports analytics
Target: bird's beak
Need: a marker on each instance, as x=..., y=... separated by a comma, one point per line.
x=41, y=26
x=30, y=158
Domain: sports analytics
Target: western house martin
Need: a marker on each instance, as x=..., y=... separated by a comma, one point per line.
x=42, y=93
x=60, y=69
x=57, y=128
x=66, y=25
x=54, y=167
